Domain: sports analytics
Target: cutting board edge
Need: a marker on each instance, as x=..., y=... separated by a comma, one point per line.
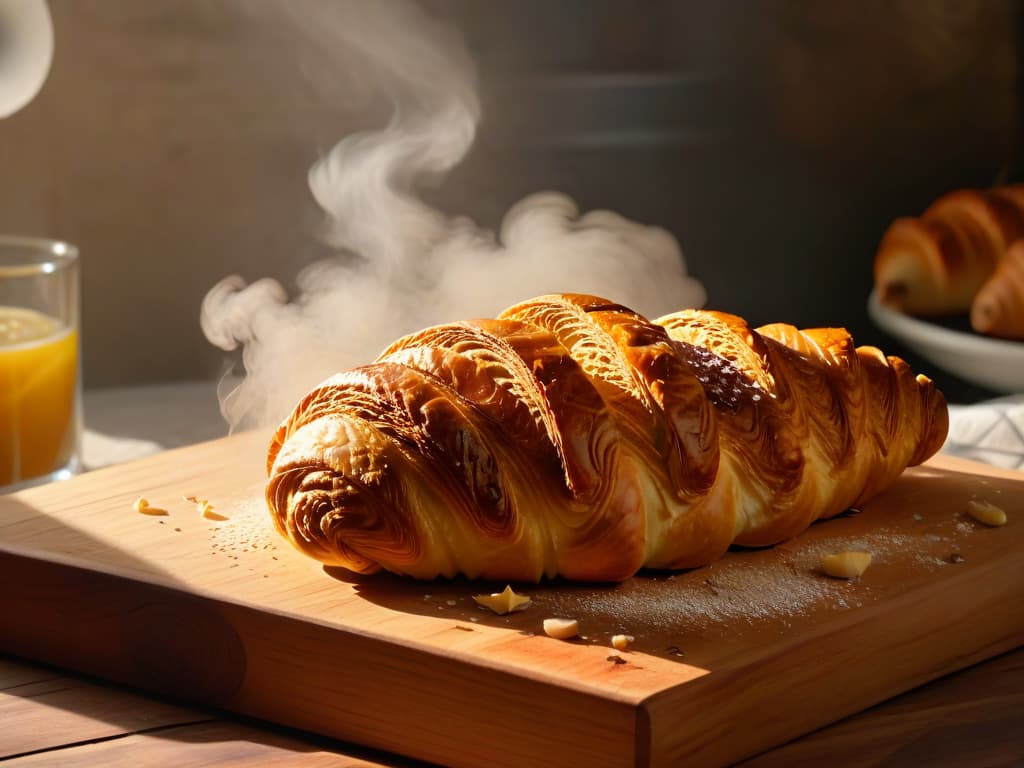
x=145, y=580
x=476, y=722
x=203, y=652
x=924, y=664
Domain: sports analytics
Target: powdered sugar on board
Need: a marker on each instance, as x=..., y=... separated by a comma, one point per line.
x=248, y=531
x=748, y=587
x=747, y=596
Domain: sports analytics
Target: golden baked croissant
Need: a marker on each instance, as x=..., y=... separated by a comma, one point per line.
x=935, y=264
x=998, y=309
x=571, y=436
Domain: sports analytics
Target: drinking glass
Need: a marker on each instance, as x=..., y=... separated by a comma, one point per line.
x=40, y=377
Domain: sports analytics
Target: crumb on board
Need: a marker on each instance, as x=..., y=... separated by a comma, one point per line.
x=561, y=628
x=142, y=506
x=986, y=513
x=503, y=602
x=622, y=642
x=846, y=565
x=205, y=508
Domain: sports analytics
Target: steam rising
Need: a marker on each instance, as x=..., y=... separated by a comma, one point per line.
x=401, y=264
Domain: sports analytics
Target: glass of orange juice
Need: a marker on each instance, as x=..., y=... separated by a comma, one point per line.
x=40, y=379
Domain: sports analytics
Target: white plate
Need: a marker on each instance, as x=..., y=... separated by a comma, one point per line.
x=993, y=363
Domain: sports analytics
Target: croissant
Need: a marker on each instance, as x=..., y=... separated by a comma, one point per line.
x=998, y=309
x=935, y=264
x=571, y=436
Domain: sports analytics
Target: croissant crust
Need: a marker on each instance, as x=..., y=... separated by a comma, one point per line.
x=572, y=437
x=998, y=309
x=936, y=263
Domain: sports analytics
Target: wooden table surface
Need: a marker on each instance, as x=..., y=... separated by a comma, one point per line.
x=49, y=718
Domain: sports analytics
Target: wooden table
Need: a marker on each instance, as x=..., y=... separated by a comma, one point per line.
x=972, y=718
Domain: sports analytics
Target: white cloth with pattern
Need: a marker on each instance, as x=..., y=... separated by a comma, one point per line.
x=991, y=431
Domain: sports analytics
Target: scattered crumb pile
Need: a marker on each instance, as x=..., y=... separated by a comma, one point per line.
x=244, y=529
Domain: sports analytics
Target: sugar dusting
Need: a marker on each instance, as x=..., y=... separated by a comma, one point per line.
x=751, y=587
x=247, y=531
x=748, y=596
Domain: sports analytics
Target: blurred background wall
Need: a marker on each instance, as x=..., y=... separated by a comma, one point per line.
x=775, y=140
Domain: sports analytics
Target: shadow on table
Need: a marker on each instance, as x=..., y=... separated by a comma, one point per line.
x=602, y=610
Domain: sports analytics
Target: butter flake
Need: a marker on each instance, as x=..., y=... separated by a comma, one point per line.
x=503, y=602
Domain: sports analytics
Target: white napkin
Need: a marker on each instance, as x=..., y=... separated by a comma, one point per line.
x=100, y=450
x=132, y=422
x=991, y=431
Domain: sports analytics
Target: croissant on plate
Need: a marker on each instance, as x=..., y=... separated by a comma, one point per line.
x=998, y=309
x=571, y=436
x=935, y=264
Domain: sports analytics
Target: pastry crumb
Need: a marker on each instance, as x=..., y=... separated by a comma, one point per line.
x=503, y=602
x=986, y=513
x=622, y=642
x=846, y=565
x=205, y=508
x=142, y=506
x=561, y=629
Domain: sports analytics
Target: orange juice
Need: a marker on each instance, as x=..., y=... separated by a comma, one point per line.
x=38, y=375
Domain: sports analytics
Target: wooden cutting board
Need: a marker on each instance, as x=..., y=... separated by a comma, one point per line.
x=727, y=660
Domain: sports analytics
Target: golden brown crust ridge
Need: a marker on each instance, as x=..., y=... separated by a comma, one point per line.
x=573, y=437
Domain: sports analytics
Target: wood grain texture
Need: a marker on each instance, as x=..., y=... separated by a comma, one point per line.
x=226, y=614
x=42, y=709
x=222, y=744
x=975, y=717
x=54, y=719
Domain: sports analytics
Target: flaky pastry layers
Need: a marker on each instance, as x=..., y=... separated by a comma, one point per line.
x=571, y=436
